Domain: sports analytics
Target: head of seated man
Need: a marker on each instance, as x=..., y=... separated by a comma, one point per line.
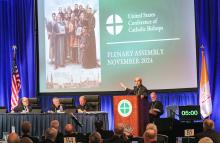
x=25, y=101
x=82, y=100
x=151, y=126
x=69, y=129
x=56, y=106
x=55, y=124
x=83, y=106
x=13, y=138
x=119, y=129
x=26, y=127
x=56, y=102
x=150, y=136
x=95, y=138
x=119, y=135
x=208, y=124
x=50, y=134
x=205, y=140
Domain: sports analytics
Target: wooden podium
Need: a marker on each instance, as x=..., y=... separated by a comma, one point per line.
x=132, y=111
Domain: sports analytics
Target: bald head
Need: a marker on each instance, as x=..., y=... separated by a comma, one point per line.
x=150, y=135
x=138, y=81
x=119, y=129
x=95, y=138
x=205, y=140
x=69, y=128
x=151, y=126
x=55, y=124
x=208, y=124
x=13, y=138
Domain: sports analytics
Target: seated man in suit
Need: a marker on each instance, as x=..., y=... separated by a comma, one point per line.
x=208, y=131
x=26, y=129
x=56, y=125
x=56, y=106
x=156, y=107
x=23, y=106
x=119, y=136
x=70, y=135
x=83, y=105
x=104, y=133
x=95, y=138
x=150, y=136
x=13, y=138
x=50, y=135
x=139, y=88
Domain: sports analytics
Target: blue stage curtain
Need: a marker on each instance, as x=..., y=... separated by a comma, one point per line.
x=17, y=27
x=208, y=29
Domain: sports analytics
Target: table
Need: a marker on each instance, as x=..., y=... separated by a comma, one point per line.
x=41, y=121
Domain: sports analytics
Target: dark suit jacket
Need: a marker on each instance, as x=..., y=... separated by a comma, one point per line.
x=157, y=105
x=86, y=107
x=215, y=136
x=115, y=139
x=54, y=109
x=105, y=133
x=47, y=141
x=20, y=108
x=34, y=139
x=138, y=90
x=59, y=138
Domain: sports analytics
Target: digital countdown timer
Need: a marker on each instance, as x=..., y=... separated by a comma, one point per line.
x=189, y=113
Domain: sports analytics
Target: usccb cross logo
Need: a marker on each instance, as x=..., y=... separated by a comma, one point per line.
x=114, y=24
x=124, y=108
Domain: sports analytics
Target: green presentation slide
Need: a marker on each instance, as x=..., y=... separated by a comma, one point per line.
x=92, y=46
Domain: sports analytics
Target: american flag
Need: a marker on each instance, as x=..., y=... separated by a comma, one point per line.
x=16, y=83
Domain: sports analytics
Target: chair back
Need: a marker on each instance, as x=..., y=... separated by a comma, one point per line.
x=94, y=101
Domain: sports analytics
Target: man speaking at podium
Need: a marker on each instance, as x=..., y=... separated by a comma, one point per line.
x=138, y=90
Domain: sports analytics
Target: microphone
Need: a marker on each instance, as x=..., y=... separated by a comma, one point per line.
x=76, y=120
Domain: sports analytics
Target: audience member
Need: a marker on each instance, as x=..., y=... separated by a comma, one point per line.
x=205, y=140
x=13, y=138
x=104, y=133
x=50, y=135
x=55, y=124
x=150, y=136
x=95, y=138
x=26, y=128
x=26, y=140
x=119, y=136
x=69, y=130
x=208, y=131
x=151, y=126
